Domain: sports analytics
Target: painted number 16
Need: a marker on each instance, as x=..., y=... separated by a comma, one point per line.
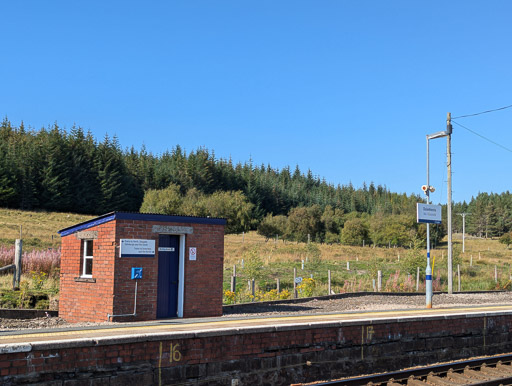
x=175, y=354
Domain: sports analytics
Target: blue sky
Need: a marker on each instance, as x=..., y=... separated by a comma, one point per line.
x=348, y=89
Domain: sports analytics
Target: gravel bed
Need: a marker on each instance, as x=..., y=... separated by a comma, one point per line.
x=372, y=303
x=350, y=304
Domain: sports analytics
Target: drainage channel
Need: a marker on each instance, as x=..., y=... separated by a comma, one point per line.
x=496, y=370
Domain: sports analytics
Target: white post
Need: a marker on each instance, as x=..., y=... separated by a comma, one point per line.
x=17, y=261
x=302, y=265
x=428, y=269
x=329, y=281
x=348, y=266
x=471, y=261
x=379, y=281
x=496, y=273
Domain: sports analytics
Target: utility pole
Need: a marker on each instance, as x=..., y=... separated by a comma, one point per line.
x=449, y=199
x=463, y=230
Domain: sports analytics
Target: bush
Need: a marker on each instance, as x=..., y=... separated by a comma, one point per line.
x=506, y=239
x=414, y=258
x=332, y=238
x=306, y=287
x=271, y=226
x=164, y=201
x=354, y=232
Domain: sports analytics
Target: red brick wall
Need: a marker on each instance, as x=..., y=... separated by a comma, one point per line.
x=84, y=301
x=113, y=293
x=203, y=277
x=276, y=355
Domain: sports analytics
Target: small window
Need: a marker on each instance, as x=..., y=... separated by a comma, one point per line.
x=87, y=258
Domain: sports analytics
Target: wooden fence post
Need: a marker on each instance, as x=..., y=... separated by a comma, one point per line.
x=458, y=274
x=417, y=279
x=294, y=283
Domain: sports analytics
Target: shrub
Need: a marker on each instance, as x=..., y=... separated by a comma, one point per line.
x=285, y=294
x=271, y=226
x=307, y=287
x=229, y=297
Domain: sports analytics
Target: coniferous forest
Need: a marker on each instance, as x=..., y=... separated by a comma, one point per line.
x=71, y=171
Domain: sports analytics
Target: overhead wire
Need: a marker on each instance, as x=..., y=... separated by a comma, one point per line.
x=483, y=112
x=483, y=137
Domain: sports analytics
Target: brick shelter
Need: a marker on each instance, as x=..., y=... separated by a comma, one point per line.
x=133, y=266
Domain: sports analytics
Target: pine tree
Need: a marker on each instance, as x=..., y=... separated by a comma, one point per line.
x=56, y=180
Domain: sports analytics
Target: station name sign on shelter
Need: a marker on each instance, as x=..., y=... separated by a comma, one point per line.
x=137, y=248
x=428, y=213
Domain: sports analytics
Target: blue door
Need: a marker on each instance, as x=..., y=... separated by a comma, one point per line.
x=168, y=274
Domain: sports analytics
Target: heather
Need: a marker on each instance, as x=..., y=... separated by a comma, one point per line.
x=40, y=261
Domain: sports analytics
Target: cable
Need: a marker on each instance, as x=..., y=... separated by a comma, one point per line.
x=481, y=136
x=483, y=112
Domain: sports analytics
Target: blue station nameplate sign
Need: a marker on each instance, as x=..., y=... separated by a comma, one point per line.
x=428, y=213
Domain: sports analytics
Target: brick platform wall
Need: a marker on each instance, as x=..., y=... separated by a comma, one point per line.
x=259, y=355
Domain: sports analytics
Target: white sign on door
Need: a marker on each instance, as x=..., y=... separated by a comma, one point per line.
x=192, y=253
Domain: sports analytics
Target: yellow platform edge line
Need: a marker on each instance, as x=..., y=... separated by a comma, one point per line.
x=237, y=322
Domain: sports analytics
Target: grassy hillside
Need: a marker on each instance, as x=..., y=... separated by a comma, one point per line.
x=39, y=229
x=398, y=265
x=267, y=261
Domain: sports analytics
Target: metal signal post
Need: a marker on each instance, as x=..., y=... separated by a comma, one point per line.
x=427, y=189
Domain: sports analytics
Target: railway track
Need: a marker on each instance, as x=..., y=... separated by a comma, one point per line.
x=496, y=370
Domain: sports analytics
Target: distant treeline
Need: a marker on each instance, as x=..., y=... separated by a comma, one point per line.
x=59, y=170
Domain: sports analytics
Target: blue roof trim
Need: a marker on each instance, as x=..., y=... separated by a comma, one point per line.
x=87, y=224
x=140, y=217
x=168, y=218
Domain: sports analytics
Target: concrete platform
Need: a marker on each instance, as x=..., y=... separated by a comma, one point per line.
x=235, y=323
x=270, y=350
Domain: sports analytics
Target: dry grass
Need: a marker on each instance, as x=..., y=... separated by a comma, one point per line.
x=280, y=257
x=237, y=246
x=39, y=229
